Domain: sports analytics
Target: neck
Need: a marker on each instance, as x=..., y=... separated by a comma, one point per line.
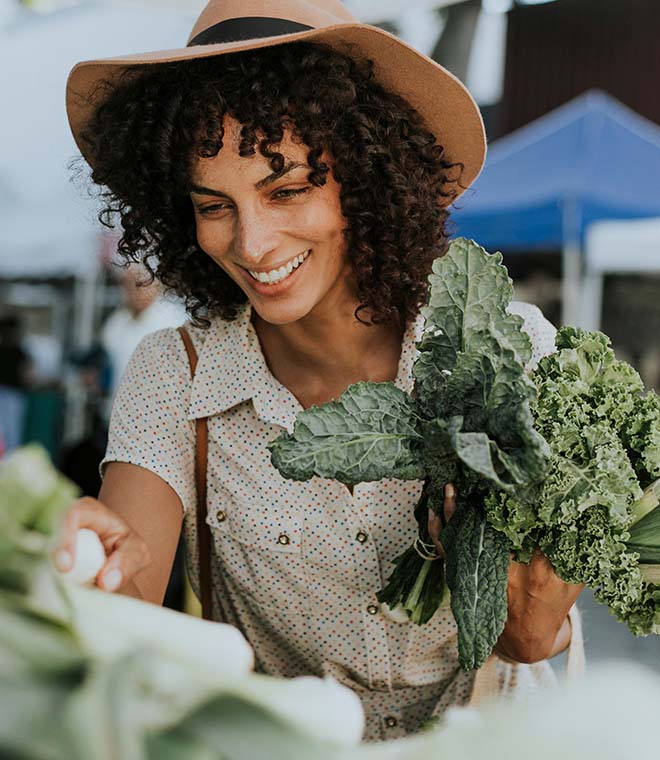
x=137, y=309
x=329, y=349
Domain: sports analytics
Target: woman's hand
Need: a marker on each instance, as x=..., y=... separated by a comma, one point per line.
x=539, y=601
x=126, y=553
x=537, y=625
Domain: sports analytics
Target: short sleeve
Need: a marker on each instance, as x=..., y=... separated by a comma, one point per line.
x=149, y=426
x=540, y=330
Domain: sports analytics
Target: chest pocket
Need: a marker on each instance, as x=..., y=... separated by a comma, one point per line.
x=258, y=546
x=257, y=524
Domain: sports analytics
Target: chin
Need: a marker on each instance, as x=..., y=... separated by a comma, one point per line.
x=285, y=313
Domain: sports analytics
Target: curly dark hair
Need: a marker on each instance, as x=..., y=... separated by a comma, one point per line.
x=395, y=181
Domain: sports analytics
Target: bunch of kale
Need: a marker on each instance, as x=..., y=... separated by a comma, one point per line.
x=555, y=458
x=468, y=422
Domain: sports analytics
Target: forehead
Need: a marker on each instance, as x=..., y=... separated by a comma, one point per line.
x=229, y=163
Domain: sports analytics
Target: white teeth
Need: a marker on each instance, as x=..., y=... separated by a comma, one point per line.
x=277, y=275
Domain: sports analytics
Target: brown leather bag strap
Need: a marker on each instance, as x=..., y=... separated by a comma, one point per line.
x=201, y=459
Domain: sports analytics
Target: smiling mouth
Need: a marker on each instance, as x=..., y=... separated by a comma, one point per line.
x=279, y=275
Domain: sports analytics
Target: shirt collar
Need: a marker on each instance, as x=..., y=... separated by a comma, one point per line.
x=227, y=367
x=232, y=369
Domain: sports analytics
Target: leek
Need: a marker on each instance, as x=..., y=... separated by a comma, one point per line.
x=645, y=533
x=648, y=502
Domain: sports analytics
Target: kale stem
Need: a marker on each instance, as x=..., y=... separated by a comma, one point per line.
x=412, y=599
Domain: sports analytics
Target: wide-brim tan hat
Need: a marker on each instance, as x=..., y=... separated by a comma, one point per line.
x=230, y=26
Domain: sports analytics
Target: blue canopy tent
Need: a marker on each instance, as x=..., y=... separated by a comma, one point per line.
x=543, y=185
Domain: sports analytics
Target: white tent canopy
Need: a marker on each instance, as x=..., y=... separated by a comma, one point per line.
x=47, y=223
x=616, y=247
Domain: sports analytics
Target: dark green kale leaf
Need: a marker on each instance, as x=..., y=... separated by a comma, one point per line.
x=470, y=379
x=477, y=565
x=370, y=432
x=469, y=424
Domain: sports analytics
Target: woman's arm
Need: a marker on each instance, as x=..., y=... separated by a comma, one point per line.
x=138, y=518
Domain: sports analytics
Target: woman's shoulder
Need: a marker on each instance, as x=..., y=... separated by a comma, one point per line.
x=167, y=343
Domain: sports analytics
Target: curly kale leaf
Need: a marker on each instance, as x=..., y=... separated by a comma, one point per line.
x=370, y=432
x=594, y=552
x=477, y=564
x=604, y=436
x=641, y=436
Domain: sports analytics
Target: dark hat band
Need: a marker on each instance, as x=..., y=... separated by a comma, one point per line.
x=247, y=28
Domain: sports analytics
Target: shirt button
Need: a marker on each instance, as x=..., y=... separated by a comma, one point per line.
x=361, y=537
x=283, y=539
x=220, y=515
x=391, y=722
x=372, y=609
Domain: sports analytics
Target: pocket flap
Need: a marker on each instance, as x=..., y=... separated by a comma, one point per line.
x=263, y=526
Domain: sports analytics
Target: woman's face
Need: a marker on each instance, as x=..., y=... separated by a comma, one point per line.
x=275, y=234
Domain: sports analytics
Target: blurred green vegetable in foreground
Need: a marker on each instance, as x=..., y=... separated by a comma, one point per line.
x=94, y=676
x=86, y=675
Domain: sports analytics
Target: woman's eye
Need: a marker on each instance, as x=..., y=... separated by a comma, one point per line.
x=213, y=208
x=290, y=192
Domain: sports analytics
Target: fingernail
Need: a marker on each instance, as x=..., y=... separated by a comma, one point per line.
x=63, y=560
x=112, y=580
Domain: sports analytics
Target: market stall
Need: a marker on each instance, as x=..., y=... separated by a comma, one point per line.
x=543, y=185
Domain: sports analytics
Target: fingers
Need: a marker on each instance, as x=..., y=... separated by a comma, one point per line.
x=435, y=522
x=130, y=556
x=126, y=552
x=449, y=505
x=83, y=514
x=87, y=513
x=434, y=528
x=538, y=580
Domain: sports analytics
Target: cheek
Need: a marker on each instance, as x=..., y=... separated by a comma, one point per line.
x=325, y=224
x=212, y=240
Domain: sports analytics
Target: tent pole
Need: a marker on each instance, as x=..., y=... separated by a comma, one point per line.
x=570, y=283
x=591, y=300
x=571, y=263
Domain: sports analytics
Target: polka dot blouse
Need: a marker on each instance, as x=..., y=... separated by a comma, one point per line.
x=296, y=566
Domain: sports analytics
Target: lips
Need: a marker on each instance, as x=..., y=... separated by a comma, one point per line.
x=282, y=284
x=274, y=276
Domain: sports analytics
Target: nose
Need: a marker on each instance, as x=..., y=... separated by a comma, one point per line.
x=256, y=235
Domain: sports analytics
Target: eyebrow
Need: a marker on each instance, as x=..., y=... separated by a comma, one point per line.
x=259, y=185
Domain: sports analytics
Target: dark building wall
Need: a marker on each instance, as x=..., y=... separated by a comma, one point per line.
x=559, y=50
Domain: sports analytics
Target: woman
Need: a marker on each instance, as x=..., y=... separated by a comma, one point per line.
x=295, y=195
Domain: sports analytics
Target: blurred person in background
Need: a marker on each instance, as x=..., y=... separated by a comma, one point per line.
x=101, y=367
x=14, y=379
x=143, y=311
x=288, y=173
